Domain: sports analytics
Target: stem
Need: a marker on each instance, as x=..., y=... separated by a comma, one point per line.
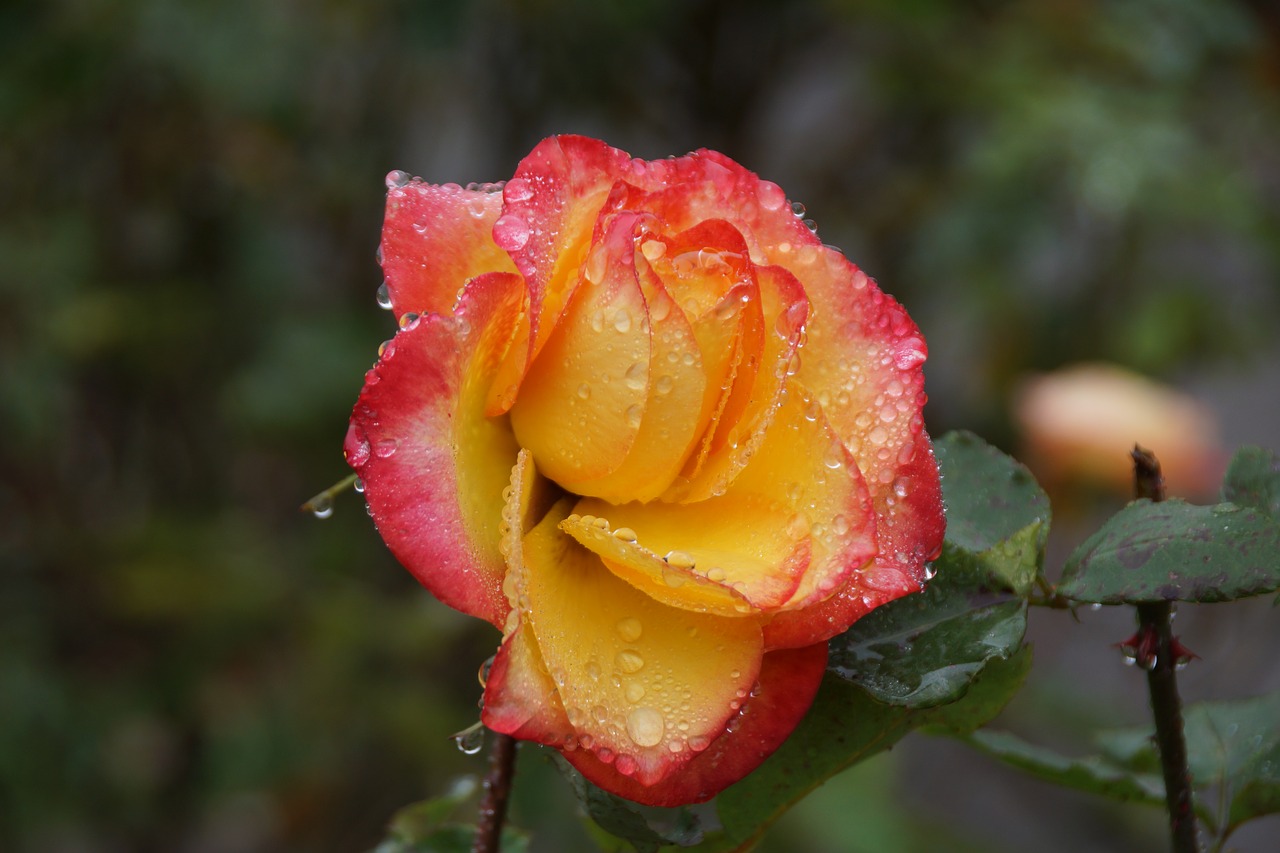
x=1166, y=707
x=497, y=790
x=1162, y=683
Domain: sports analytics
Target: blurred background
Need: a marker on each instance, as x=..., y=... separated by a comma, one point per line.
x=190, y=198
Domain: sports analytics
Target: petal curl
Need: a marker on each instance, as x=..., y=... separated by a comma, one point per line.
x=789, y=680
x=434, y=238
x=550, y=207
x=433, y=465
x=645, y=686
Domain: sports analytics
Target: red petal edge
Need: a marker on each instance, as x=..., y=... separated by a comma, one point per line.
x=789, y=680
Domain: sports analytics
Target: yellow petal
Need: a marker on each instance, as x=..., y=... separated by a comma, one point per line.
x=731, y=555
x=582, y=401
x=669, y=576
x=646, y=686
x=673, y=410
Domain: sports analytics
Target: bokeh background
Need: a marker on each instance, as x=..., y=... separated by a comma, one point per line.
x=190, y=198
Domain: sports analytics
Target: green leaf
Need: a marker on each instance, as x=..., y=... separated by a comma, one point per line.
x=646, y=829
x=1093, y=774
x=419, y=820
x=1173, y=551
x=1253, y=480
x=924, y=649
x=1231, y=746
x=990, y=497
x=846, y=726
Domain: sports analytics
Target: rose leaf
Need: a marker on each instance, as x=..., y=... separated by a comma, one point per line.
x=1174, y=551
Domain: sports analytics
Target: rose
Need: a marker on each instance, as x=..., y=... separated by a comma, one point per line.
x=641, y=419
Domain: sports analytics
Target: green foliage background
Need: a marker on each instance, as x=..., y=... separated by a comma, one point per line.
x=190, y=197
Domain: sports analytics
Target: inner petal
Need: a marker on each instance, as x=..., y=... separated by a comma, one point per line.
x=582, y=402
x=646, y=686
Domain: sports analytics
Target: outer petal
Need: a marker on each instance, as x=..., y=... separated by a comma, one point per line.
x=644, y=685
x=520, y=698
x=433, y=465
x=789, y=680
x=434, y=238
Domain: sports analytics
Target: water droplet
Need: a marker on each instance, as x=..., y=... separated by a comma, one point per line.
x=511, y=232
x=636, y=376
x=679, y=559
x=622, y=320
x=397, y=178
x=517, y=189
x=593, y=670
x=358, y=485
x=879, y=435
x=599, y=713
x=384, y=296
x=584, y=391
x=634, y=415
x=664, y=384
x=645, y=726
x=386, y=448
x=812, y=225
x=597, y=265
x=470, y=741
x=626, y=765
x=626, y=534
x=634, y=691
x=630, y=629
x=833, y=458
x=698, y=743
x=771, y=195
x=797, y=208
x=717, y=574
x=321, y=506
x=629, y=661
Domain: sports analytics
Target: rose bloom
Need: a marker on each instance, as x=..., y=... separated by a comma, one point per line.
x=640, y=419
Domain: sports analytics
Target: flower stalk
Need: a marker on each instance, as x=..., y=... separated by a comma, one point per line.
x=497, y=791
x=1155, y=620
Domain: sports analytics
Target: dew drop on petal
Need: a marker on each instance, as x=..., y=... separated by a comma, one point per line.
x=679, y=559
x=628, y=661
x=584, y=391
x=630, y=629
x=625, y=534
x=397, y=178
x=511, y=232
x=636, y=376
x=634, y=691
x=517, y=189
x=645, y=726
x=622, y=320
x=634, y=415
x=698, y=743
x=626, y=765
x=384, y=296
x=771, y=195
x=386, y=448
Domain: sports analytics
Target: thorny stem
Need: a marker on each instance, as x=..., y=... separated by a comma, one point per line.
x=1162, y=683
x=497, y=790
